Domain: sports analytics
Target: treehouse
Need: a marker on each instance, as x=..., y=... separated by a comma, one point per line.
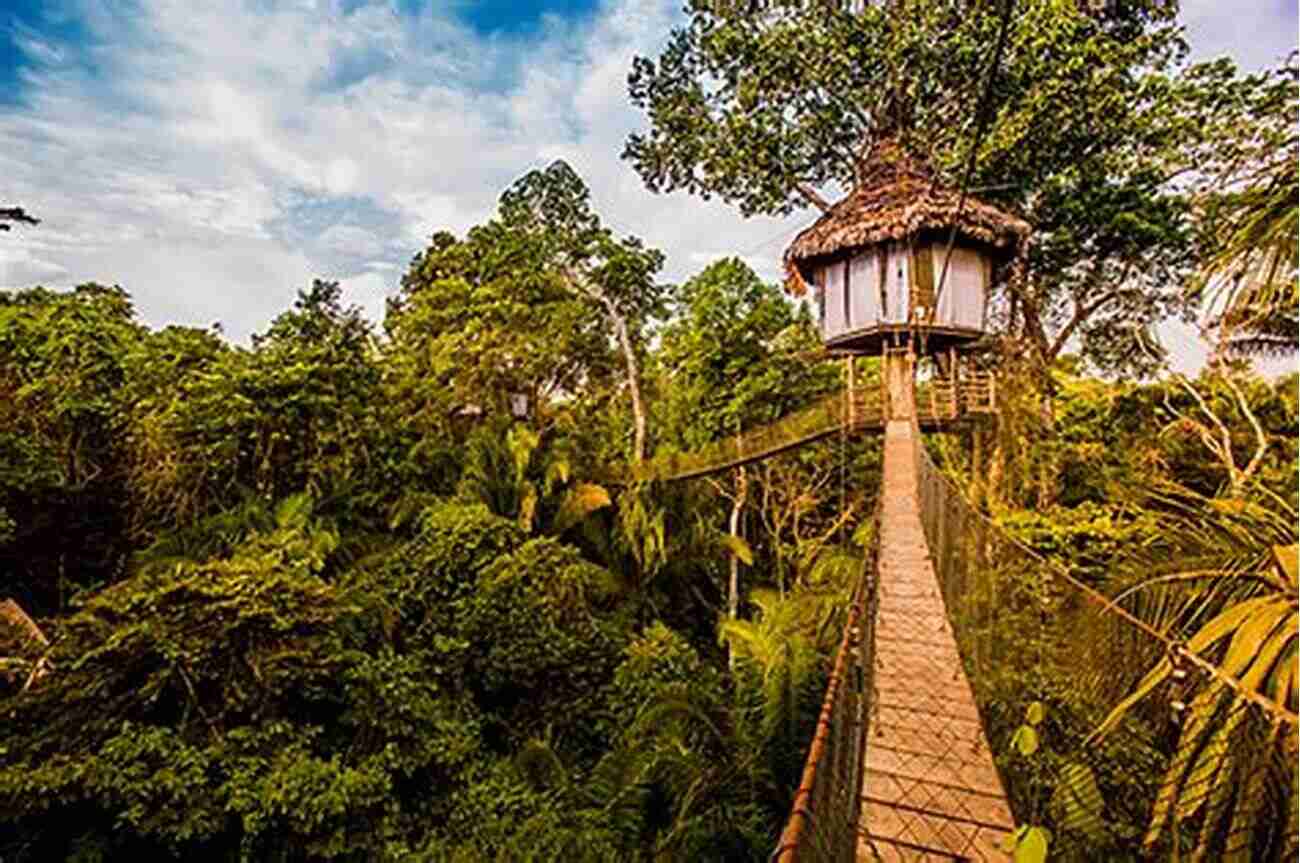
x=876, y=260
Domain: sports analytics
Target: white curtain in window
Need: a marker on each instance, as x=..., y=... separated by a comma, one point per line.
x=896, y=282
x=962, y=303
x=834, y=324
x=864, y=287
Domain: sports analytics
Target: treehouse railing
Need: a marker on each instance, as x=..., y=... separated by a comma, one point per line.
x=1047, y=652
x=823, y=821
x=951, y=399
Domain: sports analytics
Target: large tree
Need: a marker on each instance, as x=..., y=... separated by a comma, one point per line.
x=63, y=379
x=553, y=209
x=1087, y=124
x=537, y=300
x=736, y=355
x=212, y=427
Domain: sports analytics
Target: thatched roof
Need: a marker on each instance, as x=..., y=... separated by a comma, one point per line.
x=897, y=198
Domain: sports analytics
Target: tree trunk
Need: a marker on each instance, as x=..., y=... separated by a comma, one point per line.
x=619, y=320
x=733, y=584
x=633, y=381
x=1049, y=467
x=997, y=465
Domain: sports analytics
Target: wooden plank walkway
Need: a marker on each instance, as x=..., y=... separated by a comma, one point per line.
x=930, y=789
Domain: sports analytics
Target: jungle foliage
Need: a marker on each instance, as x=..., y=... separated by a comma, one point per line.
x=359, y=591
x=333, y=595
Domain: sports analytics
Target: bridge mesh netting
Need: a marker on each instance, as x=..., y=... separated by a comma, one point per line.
x=1202, y=765
x=824, y=815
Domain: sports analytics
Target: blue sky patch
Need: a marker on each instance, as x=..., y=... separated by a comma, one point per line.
x=40, y=34
x=339, y=235
x=27, y=28
x=519, y=17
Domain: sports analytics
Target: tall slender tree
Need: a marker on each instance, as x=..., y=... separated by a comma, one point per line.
x=552, y=207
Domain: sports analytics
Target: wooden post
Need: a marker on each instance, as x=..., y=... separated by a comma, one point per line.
x=884, y=386
x=955, y=409
x=899, y=372
x=851, y=412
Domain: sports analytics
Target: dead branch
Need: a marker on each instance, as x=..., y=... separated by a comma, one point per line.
x=13, y=614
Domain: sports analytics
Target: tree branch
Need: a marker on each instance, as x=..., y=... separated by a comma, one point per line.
x=1261, y=439
x=1083, y=312
x=810, y=195
x=15, y=214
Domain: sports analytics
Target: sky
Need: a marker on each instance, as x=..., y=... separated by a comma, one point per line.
x=214, y=157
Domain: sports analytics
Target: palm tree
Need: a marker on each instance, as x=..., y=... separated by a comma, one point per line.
x=1251, y=216
x=516, y=477
x=1228, y=791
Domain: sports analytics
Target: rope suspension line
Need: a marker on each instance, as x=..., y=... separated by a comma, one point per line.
x=981, y=128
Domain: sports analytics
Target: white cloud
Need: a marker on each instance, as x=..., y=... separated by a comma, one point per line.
x=1258, y=34
x=368, y=291
x=352, y=241
x=228, y=153
x=19, y=266
x=218, y=126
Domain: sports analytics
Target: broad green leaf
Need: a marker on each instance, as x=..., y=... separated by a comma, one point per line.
x=1206, y=774
x=1250, y=637
x=1034, y=713
x=1211, y=821
x=1032, y=847
x=580, y=501
x=1153, y=679
x=1079, y=799
x=1025, y=740
x=1226, y=623
x=1266, y=655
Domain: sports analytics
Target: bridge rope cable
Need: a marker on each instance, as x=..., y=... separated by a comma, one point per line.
x=824, y=813
x=1111, y=607
x=982, y=118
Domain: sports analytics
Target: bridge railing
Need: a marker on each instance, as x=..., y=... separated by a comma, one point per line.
x=823, y=418
x=1199, y=762
x=823, y=822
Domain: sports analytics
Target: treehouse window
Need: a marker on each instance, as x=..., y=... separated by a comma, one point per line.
x=835, y=321
x=864, y=279
x=961, y=303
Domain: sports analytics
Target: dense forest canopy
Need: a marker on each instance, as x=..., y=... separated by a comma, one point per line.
x=364, y=591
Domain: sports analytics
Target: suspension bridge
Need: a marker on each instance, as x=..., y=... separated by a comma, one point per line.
x=956, y=643
x=967, y=713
